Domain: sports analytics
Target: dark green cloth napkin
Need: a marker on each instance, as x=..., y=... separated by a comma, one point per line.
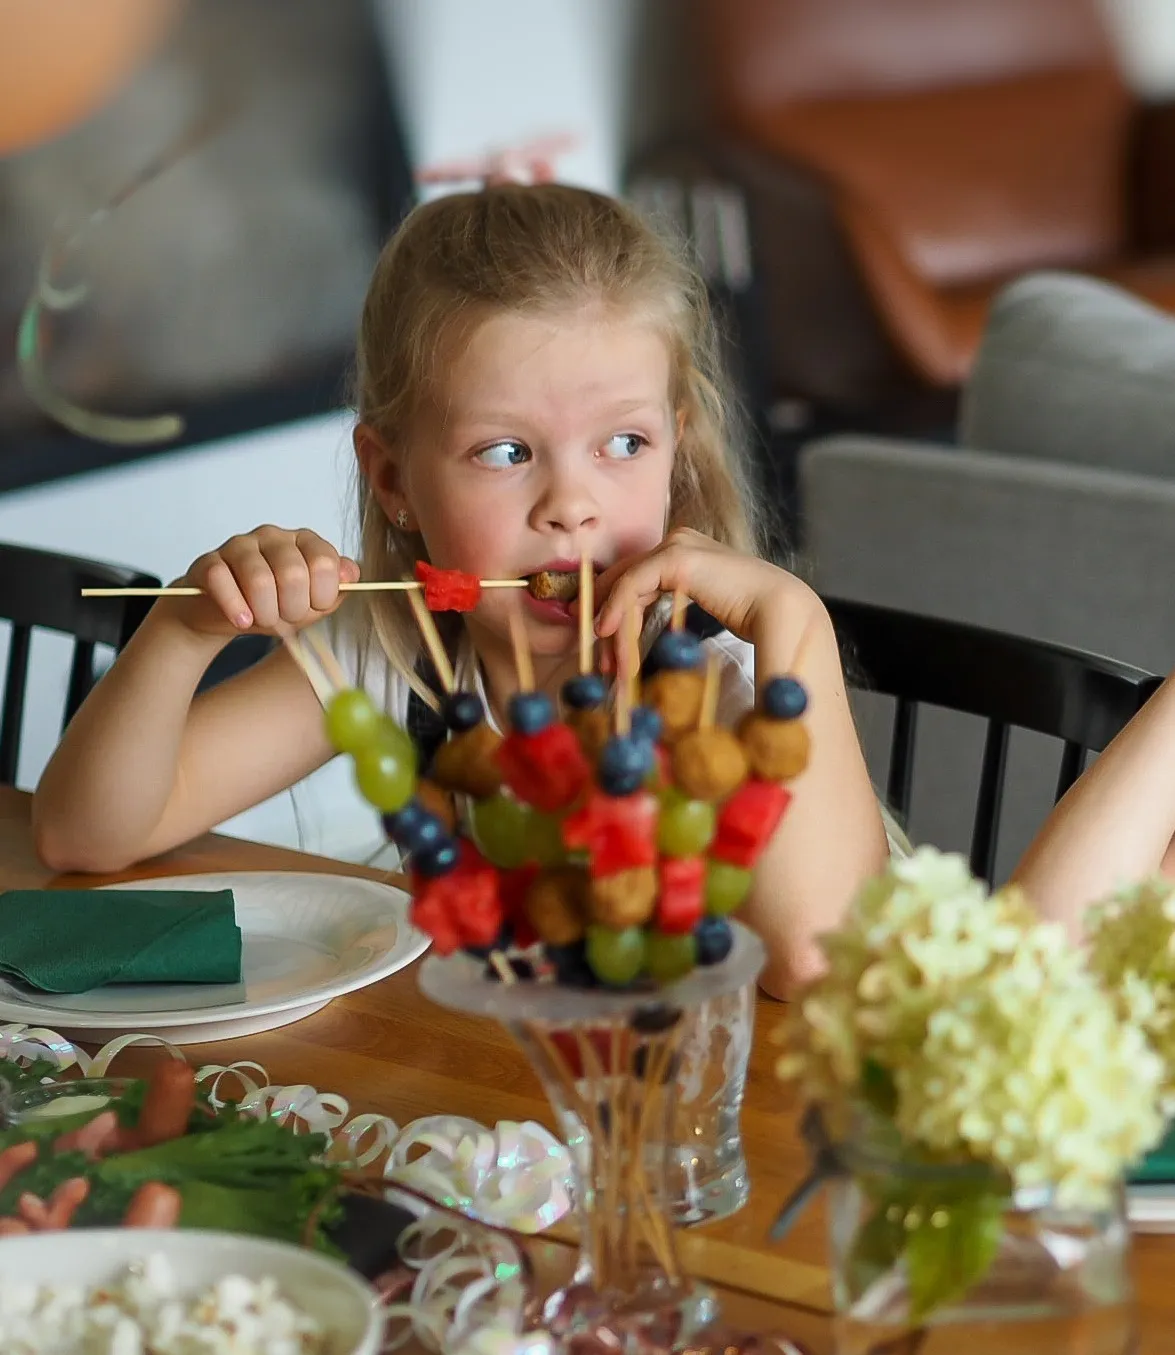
x=1158, y=1167
x=71, y=940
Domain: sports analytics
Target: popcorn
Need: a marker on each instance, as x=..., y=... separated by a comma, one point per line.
x=141, y=1315
x=980, y=1032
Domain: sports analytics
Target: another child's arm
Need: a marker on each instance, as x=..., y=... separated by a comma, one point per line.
x=832, y=838
x=143, y=766
x=1116, y=823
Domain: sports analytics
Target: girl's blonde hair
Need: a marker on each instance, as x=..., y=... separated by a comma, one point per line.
x=533, y=249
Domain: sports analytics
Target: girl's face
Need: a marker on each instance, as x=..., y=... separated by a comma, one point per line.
x=556, y=438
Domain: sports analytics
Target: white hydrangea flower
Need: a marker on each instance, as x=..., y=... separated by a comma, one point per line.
x=986, y=1028
x=1131, y=939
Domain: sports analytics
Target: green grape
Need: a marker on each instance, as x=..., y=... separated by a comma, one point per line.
x=502, y=830
x=389, y=735
x=669, y=956
x=352, y=720
x=546, y=840
x=686, y=827
x=726, y=887
x=615, y=958
x=385, y=776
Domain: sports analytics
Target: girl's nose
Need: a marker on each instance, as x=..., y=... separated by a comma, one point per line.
x=567, y=505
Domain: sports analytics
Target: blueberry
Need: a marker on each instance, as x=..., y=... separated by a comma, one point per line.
x=438, y=860
x=531, y=712
x=570, y=965
x=402, y=823
x=462, y=711
x=784, y=699
x=714, y=940
x=414, y=828
x=654, y=1017
x=675, y=649
x=422, y=832
x=585, y=692
x=624, y=764
x=646, y=724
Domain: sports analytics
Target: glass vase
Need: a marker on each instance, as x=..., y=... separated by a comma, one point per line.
x=609, y=1063
x=945, y=1259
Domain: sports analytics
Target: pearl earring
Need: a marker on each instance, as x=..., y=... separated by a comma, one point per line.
x=402, y=520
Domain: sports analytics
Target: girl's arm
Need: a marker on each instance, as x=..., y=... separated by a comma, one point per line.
x=832, y=837
x=1115, y=824
x=143, y=766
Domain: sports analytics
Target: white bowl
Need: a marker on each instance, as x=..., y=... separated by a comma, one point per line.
x=344, y=1304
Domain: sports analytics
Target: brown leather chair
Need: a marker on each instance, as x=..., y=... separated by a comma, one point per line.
x=957, y=144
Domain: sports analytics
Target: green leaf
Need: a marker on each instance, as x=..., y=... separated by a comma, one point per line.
x=951, y=1248
x=876, y=1249
x=878, y=1089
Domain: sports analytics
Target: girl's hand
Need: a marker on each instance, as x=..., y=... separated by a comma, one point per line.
x=742, y=592
x=269, y=582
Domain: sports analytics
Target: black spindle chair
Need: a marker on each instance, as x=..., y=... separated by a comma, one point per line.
x=1010, y=681
x=42, y=590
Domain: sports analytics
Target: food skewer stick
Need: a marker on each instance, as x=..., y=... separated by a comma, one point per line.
x=323, y=688
x=433, y=643
x=587, y=612
x=364, y=586
x=677, y=615
x=709, y=706
x=523, y=664
x=634, y=650
x=626, y=688
x=326, y=657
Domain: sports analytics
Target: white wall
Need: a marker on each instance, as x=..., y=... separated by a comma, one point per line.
x=1145, y=30
x=473, y=75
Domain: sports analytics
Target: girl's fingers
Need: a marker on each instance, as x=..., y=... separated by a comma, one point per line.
x=212, y=574
x=14, y=1228
x=291, y=578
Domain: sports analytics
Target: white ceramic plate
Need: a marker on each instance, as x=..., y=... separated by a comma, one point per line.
x=305, y=940
x=344, y=1305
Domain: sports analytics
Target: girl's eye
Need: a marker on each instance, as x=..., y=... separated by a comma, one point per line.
x=503, y=454
x=624, y=446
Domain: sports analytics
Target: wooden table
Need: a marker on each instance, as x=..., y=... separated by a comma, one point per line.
x=387, y=1049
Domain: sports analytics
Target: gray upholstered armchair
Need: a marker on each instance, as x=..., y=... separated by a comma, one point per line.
x=1054, y=516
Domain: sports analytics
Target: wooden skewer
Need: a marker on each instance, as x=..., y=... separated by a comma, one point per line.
x=634, y=653
x=626, y=690
x=370, y=586
x=317, y=679
x=709, y=694
x=326, y=656
x=433, y=642
x=587, y=612
x=523, y=664
x=677, y=616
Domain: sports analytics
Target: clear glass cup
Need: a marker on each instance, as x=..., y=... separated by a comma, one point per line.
x=1014, y=1271
x=704, y=1163
x=61, y=1100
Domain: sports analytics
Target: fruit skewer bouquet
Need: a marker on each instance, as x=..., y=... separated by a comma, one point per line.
x=599, y=846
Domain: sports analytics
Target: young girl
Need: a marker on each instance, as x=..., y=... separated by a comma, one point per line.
x=537, y=377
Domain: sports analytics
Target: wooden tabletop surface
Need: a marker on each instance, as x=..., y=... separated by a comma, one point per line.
x=388, y=1049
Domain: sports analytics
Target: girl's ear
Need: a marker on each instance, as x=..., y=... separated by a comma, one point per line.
x=380, y=467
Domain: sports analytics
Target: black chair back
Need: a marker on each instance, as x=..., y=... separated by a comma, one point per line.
x=1080, y=698
x=42, y=590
